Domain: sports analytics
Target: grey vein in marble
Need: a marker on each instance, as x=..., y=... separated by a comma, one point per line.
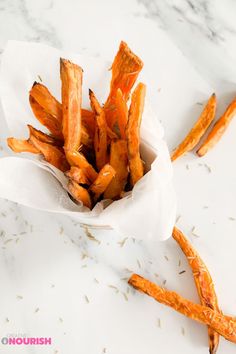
x=31, y=27
x=204, y=30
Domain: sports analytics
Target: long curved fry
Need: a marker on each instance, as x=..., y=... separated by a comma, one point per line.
x=79, y=193
x=125, y=69
x=51, y=105
x=203, y=281
x=47, y=101
x=19, y=145
x=224, y=325
x=48, y=111
x=199, y=128
x=77, y=159
x=218, y=129
x=132, y=133
x=100, y=136
x=45, y=138
x=71, y=92
x=119, y=161
x=52, y=154
x=49, y=121
x=104, y=178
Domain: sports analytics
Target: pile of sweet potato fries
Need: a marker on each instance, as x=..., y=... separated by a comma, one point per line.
x=97, y=149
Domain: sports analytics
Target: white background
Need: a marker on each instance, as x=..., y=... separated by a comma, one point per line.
x=44, y=276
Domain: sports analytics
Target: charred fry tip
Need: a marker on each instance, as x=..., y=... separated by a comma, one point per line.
x=62, y=60
x=90, y=92
x=35, y=83
x=32, y=130
x=63, y=63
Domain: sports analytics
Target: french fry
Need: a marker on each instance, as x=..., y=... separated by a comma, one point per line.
x=79, y=193
x=49, y=121
x=78, y=175
x=132, y=133
x=49, y=112
x=122, y=113
x=45, y=138
x=119, y=161
x=218, y=129
x=77, y=159
x=71, y=79
x=224, y=325
x=47, y=101
x=18, y=145
x=51, y=105
x=125, y=69
x=52, y=154
x=54, y=124
x=203, y=281
x=199, y=128
x=105, y=176
x=100, y=136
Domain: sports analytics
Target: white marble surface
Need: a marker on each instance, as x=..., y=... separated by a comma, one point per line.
x=45, y=277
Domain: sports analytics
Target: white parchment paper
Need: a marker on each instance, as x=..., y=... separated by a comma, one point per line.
x=148, y=212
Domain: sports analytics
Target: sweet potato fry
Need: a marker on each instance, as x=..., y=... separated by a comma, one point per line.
x=45, y=138
x=71, y=78
x=102, y=181
x=49, y=121
x=132, y=133
x=18, y=145
x=119, y=161
x=218, y=129
x=224, y=325
x=45, y=99
x=52, y=154
x=100, y=136
x=78, y=175
x=49, y=112
x=77, y=159
x=122, y=113
x=51, y=105
x=199, y=128
x=79, y=193
x=203, y=281
x=125, y=69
